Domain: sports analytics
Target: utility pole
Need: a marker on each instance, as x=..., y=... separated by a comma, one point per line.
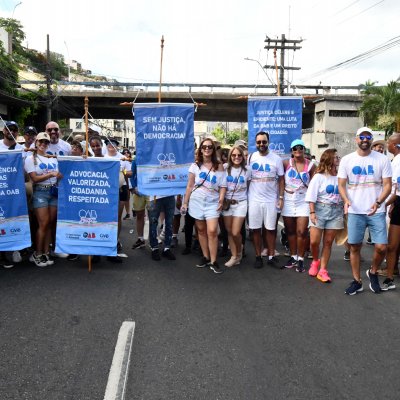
x=48, y=81
x=282, y=45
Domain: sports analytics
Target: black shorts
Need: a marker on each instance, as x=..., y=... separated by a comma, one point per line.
x=395, y=218
x=123, y=193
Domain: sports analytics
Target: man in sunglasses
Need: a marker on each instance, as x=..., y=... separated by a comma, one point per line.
x=10, y=132
x=57, y=146
x=265, y=196
x=365, y=181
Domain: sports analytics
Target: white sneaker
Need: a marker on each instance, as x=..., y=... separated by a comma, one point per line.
x=40, y=261
x=16, y=257
x=49, y=260
x=233, y=261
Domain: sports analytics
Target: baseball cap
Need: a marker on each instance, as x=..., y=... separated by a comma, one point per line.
x=297, y=142
x=364, y=129
x=241, y=142
x=43, y=136
x=11, y=123
x=30, y=130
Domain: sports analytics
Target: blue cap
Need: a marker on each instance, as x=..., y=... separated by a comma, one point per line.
x=11, y=123
x=297, y=142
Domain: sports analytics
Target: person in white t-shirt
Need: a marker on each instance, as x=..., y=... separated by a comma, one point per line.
x=326, y=212
x=125, y=173
x=365, y=181
x=57, y=147
x=265, y=196
x=236, y=181
x=203, y=200
x=393, y=202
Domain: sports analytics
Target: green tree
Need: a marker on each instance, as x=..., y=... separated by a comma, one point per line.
x=15, y=28
x=8, y=73
x=381, y=106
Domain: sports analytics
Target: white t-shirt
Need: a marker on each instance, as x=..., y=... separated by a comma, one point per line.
x=210, y=182
x=125, y=165
x=4, y=147
x=265, y=171
x=364, y=179
x=43, y=166
x=61, y=148
x=236, y=183
x=395, y=177
x=323, y=188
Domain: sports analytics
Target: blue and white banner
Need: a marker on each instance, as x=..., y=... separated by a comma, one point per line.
x=15, y=233
x=88, y=198
x=281, y=117
x=164, y=147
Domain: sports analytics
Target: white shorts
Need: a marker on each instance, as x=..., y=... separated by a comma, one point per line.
x=260, y=213
x=236, y=210
x=296, y=208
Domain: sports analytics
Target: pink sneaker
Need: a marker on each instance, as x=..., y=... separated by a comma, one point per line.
x=313, y=271
x=323, y=276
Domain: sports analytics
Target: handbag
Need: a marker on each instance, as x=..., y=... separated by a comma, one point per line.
x=226, y=204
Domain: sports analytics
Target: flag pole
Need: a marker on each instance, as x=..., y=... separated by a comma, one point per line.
x=161, y=62
x=87, y=154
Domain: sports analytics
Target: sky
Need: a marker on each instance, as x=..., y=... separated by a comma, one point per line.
x=207, y=41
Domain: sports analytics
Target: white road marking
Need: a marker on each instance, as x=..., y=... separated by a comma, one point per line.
x=118, y=375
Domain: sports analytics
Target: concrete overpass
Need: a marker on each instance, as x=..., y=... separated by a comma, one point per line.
x=216, y=102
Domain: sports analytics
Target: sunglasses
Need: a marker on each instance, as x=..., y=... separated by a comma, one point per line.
x=52, y=129
x=43, y=141
x=236, y=156
x=207, y=147
x=298, y=147
x=262, y=142
x=365, y=137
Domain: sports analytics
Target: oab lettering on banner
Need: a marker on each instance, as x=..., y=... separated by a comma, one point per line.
x=84, y=190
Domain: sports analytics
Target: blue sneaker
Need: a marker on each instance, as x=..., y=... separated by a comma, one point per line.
x=354, y=288
x=373, y=282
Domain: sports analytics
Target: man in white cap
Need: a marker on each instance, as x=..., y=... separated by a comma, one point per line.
x=365, y=181
x=57, y=146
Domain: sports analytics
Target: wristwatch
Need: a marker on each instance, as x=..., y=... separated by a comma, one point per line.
x=378, y=202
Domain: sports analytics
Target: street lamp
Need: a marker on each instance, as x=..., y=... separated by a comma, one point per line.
x=18, y=4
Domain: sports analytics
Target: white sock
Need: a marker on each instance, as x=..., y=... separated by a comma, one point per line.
x=294, y=256
x=300, y=258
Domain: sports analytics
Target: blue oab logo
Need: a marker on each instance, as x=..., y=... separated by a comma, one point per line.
x=357, y=170
x=212, y=179
x=231, y=179
x=332, y=189
x=261, y=167
x=300, y=176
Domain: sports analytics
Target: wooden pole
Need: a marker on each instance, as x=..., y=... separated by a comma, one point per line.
x=162, y=51
x=277, y=76
x=87, y=153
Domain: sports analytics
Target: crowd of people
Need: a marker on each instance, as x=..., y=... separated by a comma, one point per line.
x=231, y=194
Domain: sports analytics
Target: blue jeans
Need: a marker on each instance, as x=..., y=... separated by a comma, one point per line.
x=166, y=204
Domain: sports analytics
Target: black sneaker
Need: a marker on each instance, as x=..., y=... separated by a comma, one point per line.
x=127, y=216
x=273, y=262
x=300, y=266
x=155, y=255
x=373, y=282
x=203, y=262
x=215, y=268
x=72, y=257
x=186, y=251
x=354, y=288
x=258, y=263
x=346, y=256
x=139, y=244
x=388, y=284
x=168, y=254
x=290, y=263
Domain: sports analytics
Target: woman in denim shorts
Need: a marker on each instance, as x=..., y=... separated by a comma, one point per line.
x=203, y=200
x=326, y=212
x=235, y=180
x=43, y=172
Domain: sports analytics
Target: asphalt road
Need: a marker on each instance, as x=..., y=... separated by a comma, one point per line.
x=245, y=334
